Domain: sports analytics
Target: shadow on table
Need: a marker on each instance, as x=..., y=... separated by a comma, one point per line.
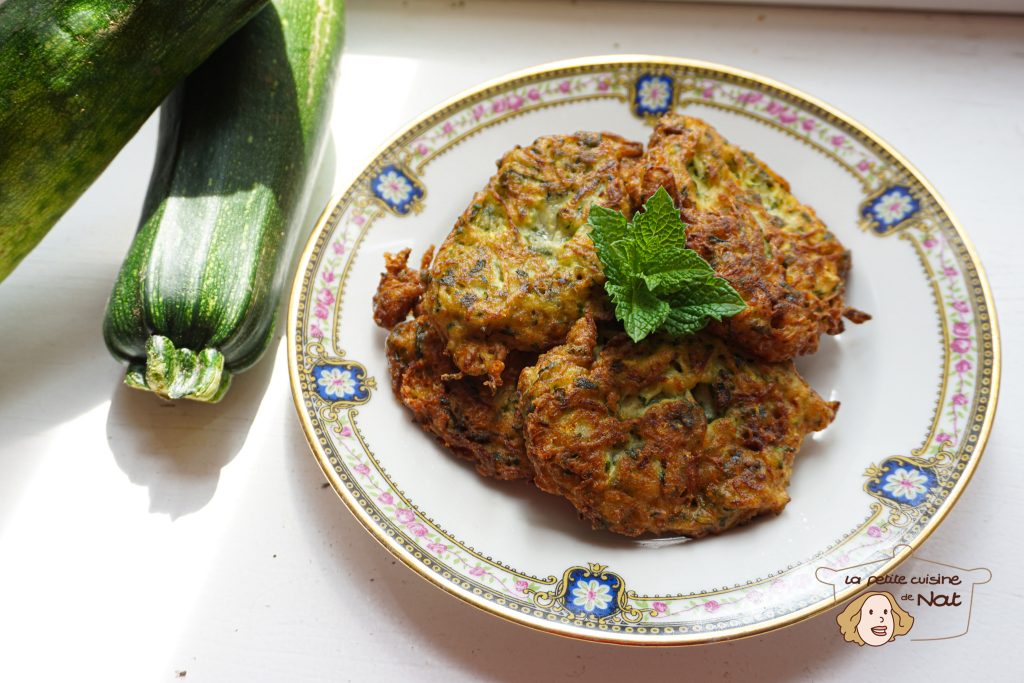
x=177, y=449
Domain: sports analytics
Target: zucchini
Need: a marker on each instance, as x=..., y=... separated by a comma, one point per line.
x=78, y=78
x=196, y=299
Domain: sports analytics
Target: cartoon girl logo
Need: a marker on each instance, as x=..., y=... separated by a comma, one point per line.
x=874, y=619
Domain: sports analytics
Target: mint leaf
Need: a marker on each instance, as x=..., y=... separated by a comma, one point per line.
x=715, y=293
x=680, y=322
x=658, y=230
x=619, y=261
x=697, y=303
x=653, y=280
x=607, y=225
x=608, y=228
x=639, y=310
x=671, y=275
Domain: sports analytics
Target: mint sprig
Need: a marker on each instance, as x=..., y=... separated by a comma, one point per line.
x=654, y=281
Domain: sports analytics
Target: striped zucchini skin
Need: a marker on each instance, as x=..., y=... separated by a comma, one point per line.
x=78, y=78
x=239, y=139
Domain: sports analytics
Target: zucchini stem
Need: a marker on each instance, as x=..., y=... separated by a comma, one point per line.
x=180, y=373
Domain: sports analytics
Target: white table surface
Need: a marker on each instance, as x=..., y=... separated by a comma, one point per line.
x=139, y=539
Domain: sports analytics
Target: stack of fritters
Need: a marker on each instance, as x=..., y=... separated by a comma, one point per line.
x=512, y=357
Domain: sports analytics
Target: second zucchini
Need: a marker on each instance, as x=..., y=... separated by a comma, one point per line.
x=196, y=299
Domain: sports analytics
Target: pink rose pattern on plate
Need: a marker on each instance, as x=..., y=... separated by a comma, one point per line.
x=962, y=335
x=787, y=115
x=324, y=287
x=438, y=137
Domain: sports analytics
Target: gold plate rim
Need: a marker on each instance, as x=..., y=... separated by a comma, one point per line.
x=621, y=638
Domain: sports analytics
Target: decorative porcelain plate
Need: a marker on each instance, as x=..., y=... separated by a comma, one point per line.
x=918, y=383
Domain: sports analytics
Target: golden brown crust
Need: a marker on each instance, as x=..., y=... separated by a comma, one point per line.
x=400, y=288
x=744, y=221
x=461, y=412
x=519, y=266
x=855, y=316
x=667, y=436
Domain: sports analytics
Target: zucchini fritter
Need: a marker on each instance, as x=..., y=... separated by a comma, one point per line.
x=519, y=268
x=666, y=436
x=744, y=221
x=476, y=423
x=469, y=418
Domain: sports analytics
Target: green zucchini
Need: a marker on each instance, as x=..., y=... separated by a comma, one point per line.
x=78, y=78
x=196, y=299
